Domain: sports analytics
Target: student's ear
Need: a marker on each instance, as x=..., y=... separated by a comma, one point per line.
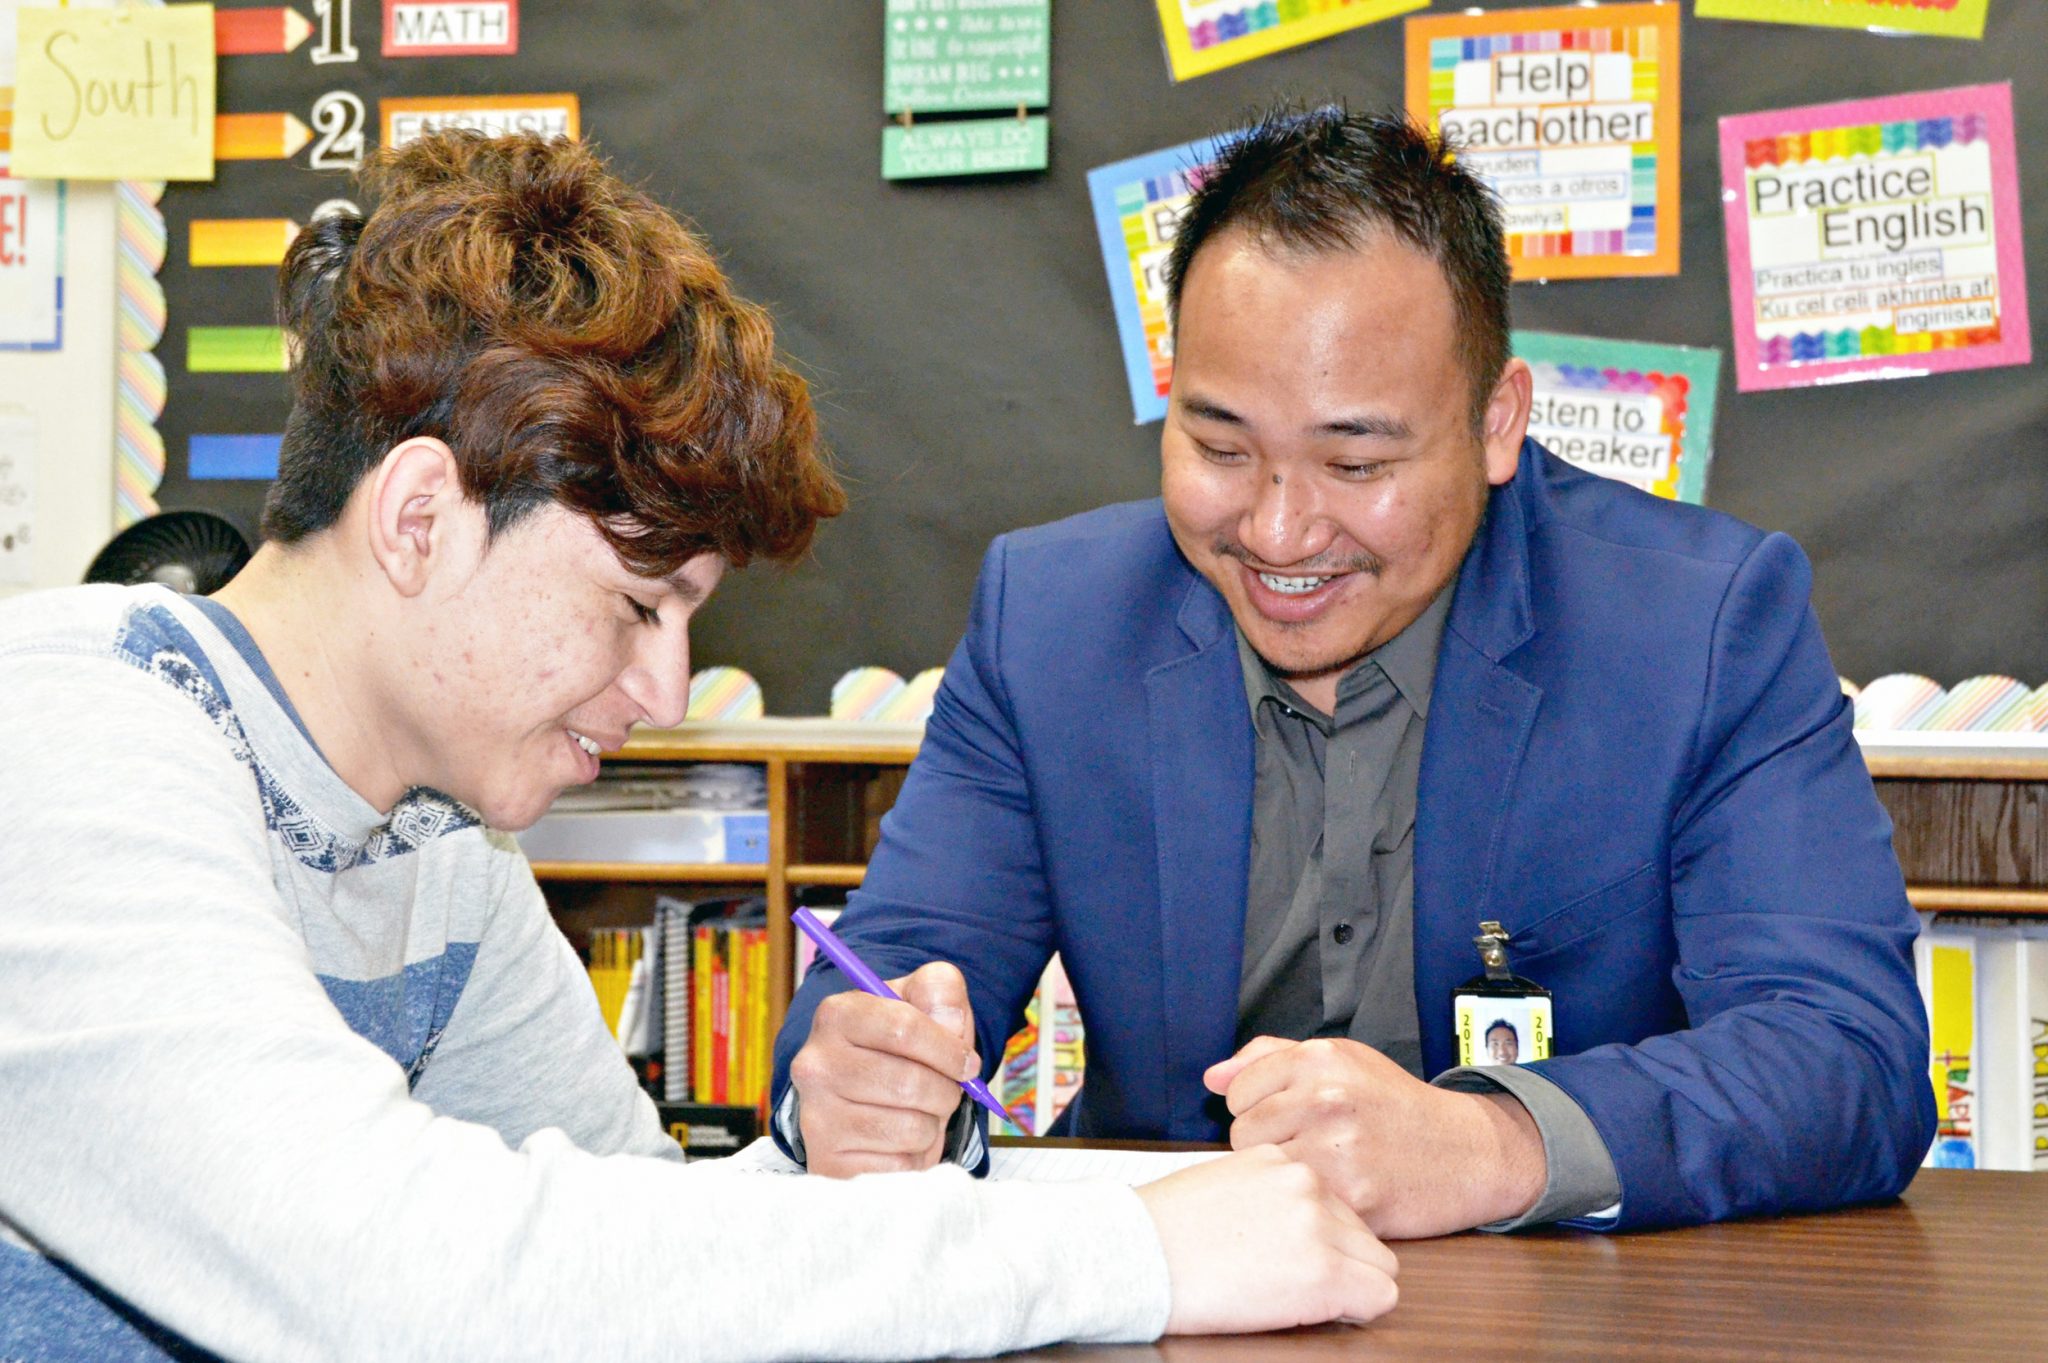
x=415, y=496
x=1507, y=420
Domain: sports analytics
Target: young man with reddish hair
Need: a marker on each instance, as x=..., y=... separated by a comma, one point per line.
x=293, y=1062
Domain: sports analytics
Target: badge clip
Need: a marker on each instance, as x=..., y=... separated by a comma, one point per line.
x=1499, y=1017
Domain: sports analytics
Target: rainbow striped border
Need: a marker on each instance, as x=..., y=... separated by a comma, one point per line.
x=140, y=318
x=1864, y=139
x=139, y=388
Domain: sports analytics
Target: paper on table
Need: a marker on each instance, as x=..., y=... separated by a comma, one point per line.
x=1028, y=1164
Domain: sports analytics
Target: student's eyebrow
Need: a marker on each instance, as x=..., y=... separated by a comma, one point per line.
x=690, y=592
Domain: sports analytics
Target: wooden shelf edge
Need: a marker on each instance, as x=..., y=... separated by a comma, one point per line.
x=2013, y=899
x=1933, y=767
x=733, y=873
x=792, y=740
x=827, y=873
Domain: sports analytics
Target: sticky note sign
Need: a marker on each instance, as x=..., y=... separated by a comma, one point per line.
x=121, y=94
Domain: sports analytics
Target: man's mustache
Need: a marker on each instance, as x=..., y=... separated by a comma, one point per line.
x=1360, y=562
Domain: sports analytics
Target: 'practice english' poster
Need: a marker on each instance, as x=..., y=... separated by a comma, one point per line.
x=1874, y=239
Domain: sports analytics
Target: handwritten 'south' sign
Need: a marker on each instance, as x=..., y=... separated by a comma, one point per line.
x=121, y=94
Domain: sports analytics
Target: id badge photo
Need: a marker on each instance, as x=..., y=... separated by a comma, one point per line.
x=1499, y=1017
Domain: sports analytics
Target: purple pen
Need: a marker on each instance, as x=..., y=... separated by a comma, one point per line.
x=868, y=982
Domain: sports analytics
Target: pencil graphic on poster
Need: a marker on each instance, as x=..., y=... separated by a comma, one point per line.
x=269, y=30
x=235, y=350
x=258, y=137
x=239, y=241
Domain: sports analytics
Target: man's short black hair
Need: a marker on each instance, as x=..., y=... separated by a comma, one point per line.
x=1326, y=179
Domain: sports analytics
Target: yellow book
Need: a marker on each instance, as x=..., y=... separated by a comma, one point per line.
x=700, y=1015
x=1947, y=962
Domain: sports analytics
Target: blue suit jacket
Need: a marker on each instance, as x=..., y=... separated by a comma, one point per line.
x=1637, y=759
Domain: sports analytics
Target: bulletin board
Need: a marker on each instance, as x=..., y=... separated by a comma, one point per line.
x=959, y=337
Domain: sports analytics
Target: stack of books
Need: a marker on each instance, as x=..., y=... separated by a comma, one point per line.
x=1985, y=983
x=702, y=813
x=729, y=1040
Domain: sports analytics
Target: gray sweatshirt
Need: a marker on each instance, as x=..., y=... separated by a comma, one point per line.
x=285, y=1078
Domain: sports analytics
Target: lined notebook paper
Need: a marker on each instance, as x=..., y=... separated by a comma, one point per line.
x=1029, y=1164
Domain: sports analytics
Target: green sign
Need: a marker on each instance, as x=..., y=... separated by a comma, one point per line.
x=977, y=146
x=943, y=55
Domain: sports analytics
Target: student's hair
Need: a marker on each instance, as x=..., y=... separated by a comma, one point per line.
x=1327, y=179
x=1502, y=1024
x=566, y=337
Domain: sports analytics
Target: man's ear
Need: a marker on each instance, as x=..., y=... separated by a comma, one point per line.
x=1507, y=421
x=414, y=495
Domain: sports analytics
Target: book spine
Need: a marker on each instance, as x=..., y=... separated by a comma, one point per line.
x=700, y=1006
x=677, y=1006
x=1948, y=969
x=762, y=1049
x=2037, y=1047
x=721, y=1016
x=738, y=1004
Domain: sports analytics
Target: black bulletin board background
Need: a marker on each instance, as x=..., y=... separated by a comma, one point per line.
x=959, y=338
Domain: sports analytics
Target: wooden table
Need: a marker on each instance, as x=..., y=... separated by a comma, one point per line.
x=1957, y=1269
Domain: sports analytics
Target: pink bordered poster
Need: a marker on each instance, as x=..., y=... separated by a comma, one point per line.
x=1874, y=239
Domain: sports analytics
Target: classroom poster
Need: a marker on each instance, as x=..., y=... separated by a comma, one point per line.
x=1137, y=213
x=1944, y=18
x=17, y=497
x=1208, y=35
x=1571, y=115
x=123, y=94
x=1874, y=239
x=1629, y=410
x=942, y=56
x=31, y=231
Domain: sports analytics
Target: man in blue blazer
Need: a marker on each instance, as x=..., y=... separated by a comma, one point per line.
x=1260, y=757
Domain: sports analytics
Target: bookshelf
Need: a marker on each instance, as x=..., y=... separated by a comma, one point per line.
x=829, y=783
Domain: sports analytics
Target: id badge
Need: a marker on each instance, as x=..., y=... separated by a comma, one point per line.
x=1499, y=1017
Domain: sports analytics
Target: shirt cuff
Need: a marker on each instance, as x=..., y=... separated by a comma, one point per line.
x=1580, y=1183
x=964, y=1144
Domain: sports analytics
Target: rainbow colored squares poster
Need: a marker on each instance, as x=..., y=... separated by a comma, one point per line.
x=1875, y=238
x=1944, y=18
x=1137, y=211
x=1571, y=115
x=1628, y=410
x=1208, y=35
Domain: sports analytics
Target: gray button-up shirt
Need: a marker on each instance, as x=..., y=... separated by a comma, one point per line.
x=1329, y=933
